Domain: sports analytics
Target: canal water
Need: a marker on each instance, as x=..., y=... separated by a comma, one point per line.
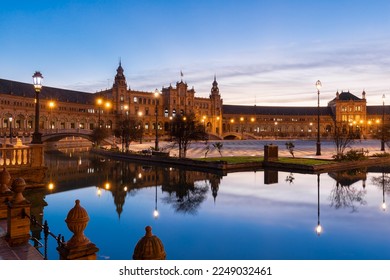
x=203, y=216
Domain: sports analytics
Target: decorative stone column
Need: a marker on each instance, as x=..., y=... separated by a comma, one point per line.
x=149, y=247
x=79, y=247
x=5, y=192
x=18, y=223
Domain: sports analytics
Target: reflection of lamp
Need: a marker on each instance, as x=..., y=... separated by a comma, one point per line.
x=155, y=212
x=383, y=194
x=318, y=227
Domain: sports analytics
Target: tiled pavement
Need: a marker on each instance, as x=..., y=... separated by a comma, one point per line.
x=24, y=252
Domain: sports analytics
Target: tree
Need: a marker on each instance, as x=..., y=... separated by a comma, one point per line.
x=128, y=129
x=290, y=147
x=99, y=134
x=383, y=134
x=342, y=139
x=218, y=146
x=184, y=130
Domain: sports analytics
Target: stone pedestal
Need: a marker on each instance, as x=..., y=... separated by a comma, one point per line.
x=18, y=212
x=37, y=159
x=4, y=198
x=18, y=224
x=5, y=193
x=271, y=153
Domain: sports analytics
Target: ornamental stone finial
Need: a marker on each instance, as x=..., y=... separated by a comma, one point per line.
x=77, y=221
x=149, y=247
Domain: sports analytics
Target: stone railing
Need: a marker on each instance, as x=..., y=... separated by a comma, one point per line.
x=15, y=156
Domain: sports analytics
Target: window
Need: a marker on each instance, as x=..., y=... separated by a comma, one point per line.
x=166, y=113
x=121, y=98
x=135, y=99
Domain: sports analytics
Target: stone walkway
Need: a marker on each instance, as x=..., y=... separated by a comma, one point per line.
x=23, y=252
x=303, y=148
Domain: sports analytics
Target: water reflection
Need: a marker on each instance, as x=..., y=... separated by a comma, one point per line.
x=344, y=194
x=184, y=206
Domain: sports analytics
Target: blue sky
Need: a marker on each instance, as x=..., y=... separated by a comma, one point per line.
x=268, y=52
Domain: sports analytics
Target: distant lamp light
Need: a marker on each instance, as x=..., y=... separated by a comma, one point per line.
x=318, y=85
x=384, y=206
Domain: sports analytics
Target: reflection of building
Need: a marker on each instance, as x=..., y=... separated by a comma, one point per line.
x=121, y=178
x=79, y=110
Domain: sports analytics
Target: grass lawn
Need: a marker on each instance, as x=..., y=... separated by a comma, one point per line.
x=232, y=160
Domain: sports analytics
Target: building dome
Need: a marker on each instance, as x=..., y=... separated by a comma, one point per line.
x=149, y=247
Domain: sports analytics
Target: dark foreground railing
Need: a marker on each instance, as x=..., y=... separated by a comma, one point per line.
x=46, y=231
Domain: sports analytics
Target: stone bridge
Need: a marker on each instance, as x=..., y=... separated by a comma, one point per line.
x=58, y=134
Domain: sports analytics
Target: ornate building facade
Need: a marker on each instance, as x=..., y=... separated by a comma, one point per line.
x=63, y=109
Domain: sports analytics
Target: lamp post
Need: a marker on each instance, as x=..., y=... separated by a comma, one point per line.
x=141, y=126
x=10, y=129
x=108, y=107
x=383, y=124
x=242, y=127
x=318, y=86
x=51, y=106
x=99, y=102
x=37, y=82
x=156, y=94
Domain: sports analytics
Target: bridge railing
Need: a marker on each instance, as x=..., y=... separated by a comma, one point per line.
x=15, y=156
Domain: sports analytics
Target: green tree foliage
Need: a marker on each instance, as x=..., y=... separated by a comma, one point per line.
x=185, y=129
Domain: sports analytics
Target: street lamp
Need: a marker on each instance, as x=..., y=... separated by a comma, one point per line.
x=156, y=94
x=383, y=124
x=37, y=82
x=99, y=102
x=318, y=86
x=51, y=106
x=10, y=129
x=108, y=106
x=140, y=126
